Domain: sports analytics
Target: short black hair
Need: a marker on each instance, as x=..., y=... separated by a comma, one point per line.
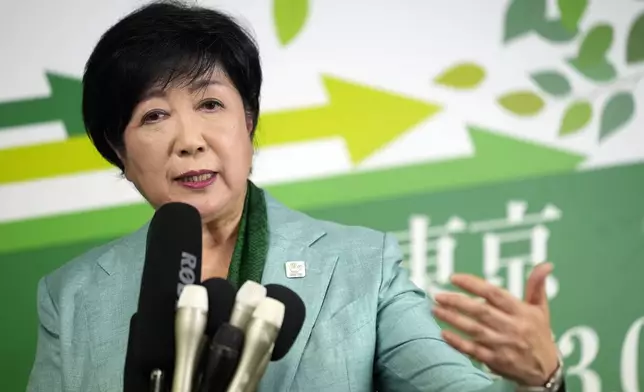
x=159, y=44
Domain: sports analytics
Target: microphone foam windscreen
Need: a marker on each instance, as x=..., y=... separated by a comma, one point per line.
x=294, y=315
x=221, y=298
x=172, y=260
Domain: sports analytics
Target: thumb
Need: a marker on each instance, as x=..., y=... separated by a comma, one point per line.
x=535, y=293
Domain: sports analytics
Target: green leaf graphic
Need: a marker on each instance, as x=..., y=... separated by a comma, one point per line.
x=462, y=76
x=552, y=82
x=290, y=16
x=617, y=112
x=576, y=117
x=554, y=31
x=571, y=12
x=523, y=16
x=599, y=72
x=635, y=43
x=595, y=45
x=522, y=103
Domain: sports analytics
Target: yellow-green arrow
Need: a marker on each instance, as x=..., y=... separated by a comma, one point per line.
x=367, y=118
x=74, y=155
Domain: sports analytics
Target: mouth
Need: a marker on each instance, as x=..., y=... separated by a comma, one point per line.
x=196, y=176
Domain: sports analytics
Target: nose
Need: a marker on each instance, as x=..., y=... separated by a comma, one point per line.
x=189, y=138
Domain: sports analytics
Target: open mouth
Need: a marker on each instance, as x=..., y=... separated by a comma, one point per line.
x=196, y=177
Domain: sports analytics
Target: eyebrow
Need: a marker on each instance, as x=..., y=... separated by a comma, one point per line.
x=194, y=87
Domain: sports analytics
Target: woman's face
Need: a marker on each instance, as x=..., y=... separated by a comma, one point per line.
x=192, y=145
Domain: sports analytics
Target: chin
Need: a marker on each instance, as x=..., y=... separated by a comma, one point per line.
x=208, y=209
x=211, y=205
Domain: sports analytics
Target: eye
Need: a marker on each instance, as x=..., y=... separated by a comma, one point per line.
x=153, y=117
x=210, y=105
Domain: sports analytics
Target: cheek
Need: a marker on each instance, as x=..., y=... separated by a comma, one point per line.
x=232, y=138
x=147, y=165
x=240, y=153
x=237, y=154
x=148, y=175
x=146, y=160
x=148, y=149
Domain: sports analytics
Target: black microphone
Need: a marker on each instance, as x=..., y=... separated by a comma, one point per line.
x=222, y=358
x=221, y=297
x=133, y=380
x=294, y=315
x=172, y=260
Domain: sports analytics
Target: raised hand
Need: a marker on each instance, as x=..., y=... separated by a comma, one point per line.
x=512, y=337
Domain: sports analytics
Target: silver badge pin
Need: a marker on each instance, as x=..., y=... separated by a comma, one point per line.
x=295, y=269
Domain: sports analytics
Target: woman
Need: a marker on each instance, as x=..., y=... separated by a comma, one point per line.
x=171, y=97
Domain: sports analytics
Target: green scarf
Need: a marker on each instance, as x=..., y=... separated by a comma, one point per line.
x=251, y=247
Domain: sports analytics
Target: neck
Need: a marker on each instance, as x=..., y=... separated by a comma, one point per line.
x=219, y=239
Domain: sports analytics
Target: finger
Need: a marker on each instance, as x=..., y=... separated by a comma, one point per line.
x=479, y=332
x=468, y=347
x=477, y=310
x=535, y=292
x=496, y=296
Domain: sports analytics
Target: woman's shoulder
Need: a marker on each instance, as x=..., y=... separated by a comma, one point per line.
x=333, y=234
x=80, y=271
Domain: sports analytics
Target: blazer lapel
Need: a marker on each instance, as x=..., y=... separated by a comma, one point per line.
x=293, y=241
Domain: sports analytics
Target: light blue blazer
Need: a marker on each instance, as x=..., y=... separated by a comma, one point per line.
x=367, y=326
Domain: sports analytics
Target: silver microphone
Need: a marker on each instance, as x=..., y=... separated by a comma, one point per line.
x=190, y=324
x=261, y=369
x=261, y=333
x=250, y=294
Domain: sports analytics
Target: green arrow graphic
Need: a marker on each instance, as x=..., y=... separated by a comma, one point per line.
x=497, y=158
x=367, y=118
x=64, y=104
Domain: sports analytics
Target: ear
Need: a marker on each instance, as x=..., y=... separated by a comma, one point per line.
x=249, y=124
x=121, y=155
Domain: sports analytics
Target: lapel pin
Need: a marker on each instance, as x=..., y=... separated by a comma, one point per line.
x=295, y=269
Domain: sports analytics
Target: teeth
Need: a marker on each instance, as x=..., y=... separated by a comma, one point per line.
x=199, y=178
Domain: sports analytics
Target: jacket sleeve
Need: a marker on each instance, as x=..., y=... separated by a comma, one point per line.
x=46, y=372
x=411, y=356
